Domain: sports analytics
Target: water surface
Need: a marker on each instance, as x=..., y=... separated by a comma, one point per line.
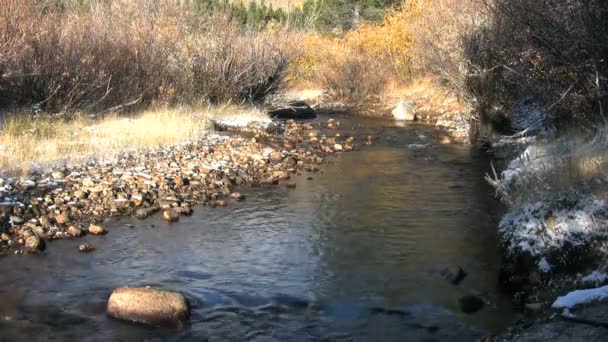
x=353, y=254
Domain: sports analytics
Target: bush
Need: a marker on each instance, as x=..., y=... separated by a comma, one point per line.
x=554, y=50
x=96, y=55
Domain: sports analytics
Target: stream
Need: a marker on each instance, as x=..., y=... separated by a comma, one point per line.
x=356, y=252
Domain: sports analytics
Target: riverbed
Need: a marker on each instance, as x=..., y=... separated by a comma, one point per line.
x=356, y=252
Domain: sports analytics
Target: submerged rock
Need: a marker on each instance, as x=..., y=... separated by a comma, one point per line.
x=454, y=275
x=85, y=248
x=149, y=306
x=470, y=304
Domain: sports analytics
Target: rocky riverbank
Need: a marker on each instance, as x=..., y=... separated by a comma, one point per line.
x=68, y=202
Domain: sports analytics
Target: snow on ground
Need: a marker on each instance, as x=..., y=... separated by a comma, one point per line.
x=543, y=226
x=578, y=297
x=530, y=117
x=595, y=277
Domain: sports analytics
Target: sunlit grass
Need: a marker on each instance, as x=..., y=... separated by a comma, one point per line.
x=28, y=144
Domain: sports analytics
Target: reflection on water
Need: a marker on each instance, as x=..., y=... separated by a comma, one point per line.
x=353, y=254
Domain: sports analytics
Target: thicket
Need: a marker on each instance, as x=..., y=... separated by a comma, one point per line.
x=97, y=55
x=555, y=50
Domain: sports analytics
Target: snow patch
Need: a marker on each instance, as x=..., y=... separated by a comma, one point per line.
x=543, y=265
x=578, y=297
x=595, y=277
x=542, y=226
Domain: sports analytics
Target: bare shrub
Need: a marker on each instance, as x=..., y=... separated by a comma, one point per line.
x=92, y=54
x=555, y=50
x=354, y=77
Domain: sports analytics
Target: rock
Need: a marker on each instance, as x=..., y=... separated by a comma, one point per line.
x=404, y=111
x=170, y=215
x=16, y=220
x=88, y=183
x=142, y=213
x=291, y=185
x=34, y=243
x=137, y=199
x=85, y=248
x=5, y=237
x=221, y=203
x=62, y=218
x=74, y=231
x=44, y=221
x=294, y=110
x=470, y=304
x=58, y=175
x=237, y=196
x=97, y=230
x=276, y=156
x=148, y=306
x=184, y=210
x=454, y=275
x=338, y=147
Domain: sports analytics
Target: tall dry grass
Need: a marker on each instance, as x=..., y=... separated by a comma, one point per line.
x=95, y=55
x=28, y=145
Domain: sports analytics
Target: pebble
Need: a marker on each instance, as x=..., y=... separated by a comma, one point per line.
x=85, y=248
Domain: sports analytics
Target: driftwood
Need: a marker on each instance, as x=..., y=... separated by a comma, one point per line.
x=294, y=110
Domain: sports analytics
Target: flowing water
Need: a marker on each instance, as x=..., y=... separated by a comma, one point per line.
x=354, y=254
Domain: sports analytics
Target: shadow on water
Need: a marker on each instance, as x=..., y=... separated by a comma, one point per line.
x=356, y=253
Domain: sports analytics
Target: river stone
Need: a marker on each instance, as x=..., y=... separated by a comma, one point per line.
x=34, y=243
x=149, y=306
x=470, y=304
x=142, y=213
x=16, y=220
x=74, y=231
x=62, y=218
x=85, y=248
x=404, y=111
x=454, y=274
x=170, y=215
x=88, y=183
x=97, y=230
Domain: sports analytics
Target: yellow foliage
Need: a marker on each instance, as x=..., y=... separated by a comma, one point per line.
x=390, y=42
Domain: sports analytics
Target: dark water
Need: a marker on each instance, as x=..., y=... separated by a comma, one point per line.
x=353, y=254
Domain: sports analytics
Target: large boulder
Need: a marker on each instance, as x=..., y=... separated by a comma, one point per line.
x=149, y=306
x=293, y=110
x=404, y=111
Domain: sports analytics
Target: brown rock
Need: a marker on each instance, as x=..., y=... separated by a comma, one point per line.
x=74, y=231
x=86, y=248
x=34, y=243
x=88, y=183
x=97, y=230
x=149, y=306
x=237, y=196
x=171, y=215
x=62, y=218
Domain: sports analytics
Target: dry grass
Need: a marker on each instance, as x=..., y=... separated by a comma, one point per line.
x=28, y=145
